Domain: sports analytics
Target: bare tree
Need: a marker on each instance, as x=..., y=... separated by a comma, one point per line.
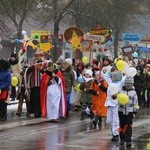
x=114, y=14
x=16, y=11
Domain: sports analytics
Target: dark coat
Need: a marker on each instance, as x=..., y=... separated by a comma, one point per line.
x=69, y=77
x=139, y=81
x=5, y=79
x=147, y=81
x=86, y=97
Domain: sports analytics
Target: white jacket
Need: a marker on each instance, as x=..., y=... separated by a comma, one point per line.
x=113, y=88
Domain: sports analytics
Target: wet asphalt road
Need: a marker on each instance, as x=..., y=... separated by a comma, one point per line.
x=72, y=134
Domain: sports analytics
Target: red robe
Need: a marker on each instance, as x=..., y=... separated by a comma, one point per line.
x=43, y=95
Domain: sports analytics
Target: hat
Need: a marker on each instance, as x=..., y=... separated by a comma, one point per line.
x=106, y=58
x=117, y=76
x=128, y=80
x=95, y=62
x=87, y=65
x=89, y=72
x=69, y=61
x=100, y=74
x=139, y=68
x=95, y=68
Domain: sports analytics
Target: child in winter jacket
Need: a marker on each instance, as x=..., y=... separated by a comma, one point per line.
x=112, y=104
x=99, y=90
x=127, y=112
x=86, y=95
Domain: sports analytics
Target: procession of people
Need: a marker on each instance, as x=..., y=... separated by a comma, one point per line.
x=103, y=91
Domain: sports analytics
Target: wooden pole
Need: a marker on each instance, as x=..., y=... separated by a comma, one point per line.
x=146, y=47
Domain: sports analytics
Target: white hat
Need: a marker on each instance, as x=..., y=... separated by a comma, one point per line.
x=89, y=72
x=100, y=74
x=69, y=61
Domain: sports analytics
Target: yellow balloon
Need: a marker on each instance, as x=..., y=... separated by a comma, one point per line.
x=116, y=60
x=14, y=81
x=77, y=87
x=123, y=99
x=121, y=65
x=85, y=60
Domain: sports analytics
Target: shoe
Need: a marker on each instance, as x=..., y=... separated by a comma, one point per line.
x=19, y=115
x=121, y=142
x=76, y=108
x=94, y=122
x=82, y=118
x=37, y=115
x=13, y=99
x=115, y=138
x=100, y=121
x=3, y=117
x=53, y=121
x=128, y=144
x=27, y=115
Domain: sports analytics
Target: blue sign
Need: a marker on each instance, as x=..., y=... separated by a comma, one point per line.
x=143, y=49
x=127, y=37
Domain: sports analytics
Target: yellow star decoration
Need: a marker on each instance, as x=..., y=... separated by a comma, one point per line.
x=75, y=41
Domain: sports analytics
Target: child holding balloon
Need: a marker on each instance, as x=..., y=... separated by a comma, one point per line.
x=127, y=111
x=112, y=104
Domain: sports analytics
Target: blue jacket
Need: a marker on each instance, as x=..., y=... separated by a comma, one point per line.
x=5, y=79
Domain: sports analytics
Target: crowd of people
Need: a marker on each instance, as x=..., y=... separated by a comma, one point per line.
x=52, y=89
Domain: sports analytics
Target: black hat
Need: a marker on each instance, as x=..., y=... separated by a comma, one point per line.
x=106, y=58
x=139, y=68
x=4, y=64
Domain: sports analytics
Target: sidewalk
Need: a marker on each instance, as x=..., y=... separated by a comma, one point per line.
x=14, y=121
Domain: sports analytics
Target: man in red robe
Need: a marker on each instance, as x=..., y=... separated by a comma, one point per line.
x=43, y=92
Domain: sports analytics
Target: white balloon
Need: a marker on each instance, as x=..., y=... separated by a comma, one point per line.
x=125, y=70
x=113, y=88
x=24, y=32
x=131, y=72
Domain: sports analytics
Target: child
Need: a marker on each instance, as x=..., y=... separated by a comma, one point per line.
x=86, y=96
x=112, y=103
x=99, y=90
x=127, y=112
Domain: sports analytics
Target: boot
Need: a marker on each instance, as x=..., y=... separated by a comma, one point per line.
x=115, y=138
x=100, y=121
x=82, y=115
x=128, y=144
x=95, y=121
